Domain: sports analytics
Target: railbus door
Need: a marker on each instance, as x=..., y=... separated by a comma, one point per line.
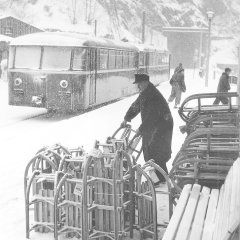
x=93, y=76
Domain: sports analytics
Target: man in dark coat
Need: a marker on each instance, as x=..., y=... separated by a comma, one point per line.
x=157, y=123
x=178, y=86
x=223, y=87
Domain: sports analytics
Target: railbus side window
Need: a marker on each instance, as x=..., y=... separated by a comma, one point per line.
x=141, y=59
x=164, y=58
x=131, y=60
x=103, y=59
x=167, y=58
x=57, y=58
x=112, y=59
x=11, y=57
x=80, y=59
x=27, y=57
x=126, y=59
x=155, y=59
x=119, y=59
x=159, y=60
x=150, y=59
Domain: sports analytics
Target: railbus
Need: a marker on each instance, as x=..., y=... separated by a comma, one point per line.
x=74, y=72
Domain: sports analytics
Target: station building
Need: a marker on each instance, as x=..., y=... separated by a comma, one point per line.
x=11, y=27
x=187, y=45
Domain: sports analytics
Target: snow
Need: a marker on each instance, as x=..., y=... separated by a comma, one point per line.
x=4, y=38
x=22, y=136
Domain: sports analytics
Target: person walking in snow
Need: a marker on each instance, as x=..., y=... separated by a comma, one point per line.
x=223, y=87
x=157, y=123
x=178, y=85
x=178, y=67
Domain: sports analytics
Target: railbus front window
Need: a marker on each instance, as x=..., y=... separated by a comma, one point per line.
x=80, y=59
x=28, y=57
x=56, y=58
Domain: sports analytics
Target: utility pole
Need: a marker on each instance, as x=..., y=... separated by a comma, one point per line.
x=238, y=82
x=210, y=17
x=200, y=50
x=95, y=28
x=143, y=26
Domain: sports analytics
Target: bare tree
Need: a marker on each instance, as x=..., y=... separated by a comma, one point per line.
x=90, y=7
x=74, y=11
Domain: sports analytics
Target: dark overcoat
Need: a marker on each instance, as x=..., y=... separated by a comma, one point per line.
x=178, y=81
x=157, y=123
x=223, y=85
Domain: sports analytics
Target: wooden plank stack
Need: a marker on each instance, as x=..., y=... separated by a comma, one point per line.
x=203, y=213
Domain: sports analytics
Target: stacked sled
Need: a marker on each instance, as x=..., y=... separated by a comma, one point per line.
x=212, y=142
x=104, y=194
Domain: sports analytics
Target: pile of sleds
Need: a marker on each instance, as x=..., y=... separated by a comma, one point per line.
x=207, y=168
x=103, y=194
x=106, y=194
x=212, y=142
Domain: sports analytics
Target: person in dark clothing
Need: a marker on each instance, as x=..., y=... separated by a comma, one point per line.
x=223, y=87
x=157, y=123
x=179, y=67
x=178, y=86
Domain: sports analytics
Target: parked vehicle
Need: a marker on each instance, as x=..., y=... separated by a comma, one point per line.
x=74, y=72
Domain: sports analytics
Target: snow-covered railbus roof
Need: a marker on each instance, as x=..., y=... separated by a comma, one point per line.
x=64, y=39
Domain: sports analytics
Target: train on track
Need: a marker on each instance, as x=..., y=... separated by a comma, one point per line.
x=74, y=72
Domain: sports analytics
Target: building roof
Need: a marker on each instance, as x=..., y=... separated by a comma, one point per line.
x=184, y=29
x=9, y=16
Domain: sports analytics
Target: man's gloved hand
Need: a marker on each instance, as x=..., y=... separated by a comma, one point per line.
x=123, y=124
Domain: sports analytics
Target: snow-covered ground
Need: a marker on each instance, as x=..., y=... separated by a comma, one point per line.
x=20, y=140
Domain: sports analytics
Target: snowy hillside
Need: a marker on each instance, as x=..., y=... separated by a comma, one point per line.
x=120, y=15
x=123, y=18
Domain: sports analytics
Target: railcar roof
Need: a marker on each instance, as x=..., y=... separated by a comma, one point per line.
x=65, y=39
x=150, y=48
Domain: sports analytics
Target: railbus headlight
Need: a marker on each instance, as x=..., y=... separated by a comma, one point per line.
x=64, y=83
x=17, y=81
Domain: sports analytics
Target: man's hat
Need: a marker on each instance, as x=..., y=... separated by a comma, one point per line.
x=140, y=78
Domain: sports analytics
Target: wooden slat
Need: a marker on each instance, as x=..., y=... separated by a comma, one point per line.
x=197, y=226
x=233, y=195
x=106, y=201
x=217, y=216
x=45, y=206
x=71, y=210
x=178, y=213
x=187, y=218
x=237, y=206
x=35, y=190
x=234, y=215
x=224, y=211
x=100, y=166
x=210, y=216
x=51, y=210
x=40, y=208
x=111, y=225
x=76, y=212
